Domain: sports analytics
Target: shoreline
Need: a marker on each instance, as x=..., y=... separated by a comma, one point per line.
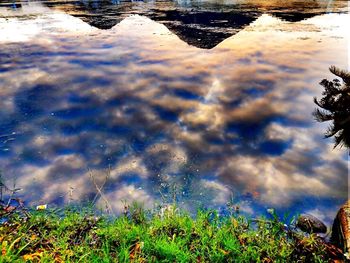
x=167, y=235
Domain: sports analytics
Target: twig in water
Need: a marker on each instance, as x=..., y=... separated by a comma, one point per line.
x=99, y=190
x=103, y=184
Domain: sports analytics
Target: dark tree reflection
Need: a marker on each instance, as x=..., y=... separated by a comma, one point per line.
x=335, y=105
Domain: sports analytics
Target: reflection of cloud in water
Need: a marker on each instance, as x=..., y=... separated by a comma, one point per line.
x=130, y=194
x=235, y=119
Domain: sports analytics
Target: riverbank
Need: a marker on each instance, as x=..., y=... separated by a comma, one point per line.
x=168, y=235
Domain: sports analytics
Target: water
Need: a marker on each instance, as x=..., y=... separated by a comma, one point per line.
x=207, y=101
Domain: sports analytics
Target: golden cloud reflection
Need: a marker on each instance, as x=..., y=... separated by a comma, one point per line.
x=231, y=121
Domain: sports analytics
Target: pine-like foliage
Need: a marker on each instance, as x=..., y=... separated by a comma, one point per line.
x=335, y=106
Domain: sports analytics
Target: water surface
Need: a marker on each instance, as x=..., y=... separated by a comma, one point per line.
x=211, y=100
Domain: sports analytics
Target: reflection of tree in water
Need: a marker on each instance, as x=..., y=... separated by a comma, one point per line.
x=203, y=24
x=336, y=107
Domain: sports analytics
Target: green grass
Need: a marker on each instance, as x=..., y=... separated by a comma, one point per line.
x=144, y=237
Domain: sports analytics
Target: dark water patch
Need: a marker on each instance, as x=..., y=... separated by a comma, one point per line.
x=274, y=147
x=36, y=101
x=33, y=157
x=120, y=130
x=115, y=102
x=70, y=129
x=187, y=95
x=78, y=99
x=129, y=178
x=138, y=145
x=76, y=112
x=11, y=4
x=248, y=131
x=166, y=114
x=233, y=103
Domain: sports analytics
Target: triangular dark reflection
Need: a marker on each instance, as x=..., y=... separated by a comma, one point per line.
x=295, y=16
x=204, y=29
